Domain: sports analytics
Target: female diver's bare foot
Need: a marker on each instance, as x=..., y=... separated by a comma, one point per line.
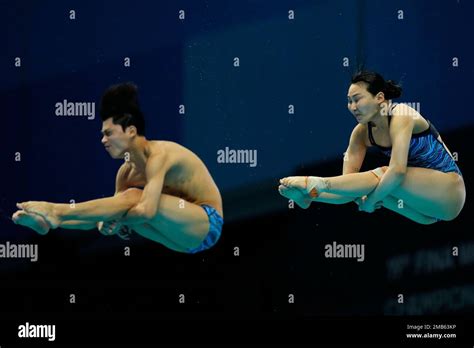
x=312, y=185
x=302, y=200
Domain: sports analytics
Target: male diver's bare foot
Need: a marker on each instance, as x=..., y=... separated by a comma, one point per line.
x=295, y=195
x=33, y=221
x=45, y=209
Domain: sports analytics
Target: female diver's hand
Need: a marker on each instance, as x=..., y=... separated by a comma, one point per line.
x=367, y=205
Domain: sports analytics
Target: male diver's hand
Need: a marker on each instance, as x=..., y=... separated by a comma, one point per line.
x=109, y=228
x=135, y=216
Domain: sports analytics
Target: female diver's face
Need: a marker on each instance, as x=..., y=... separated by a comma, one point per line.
x=361, y=103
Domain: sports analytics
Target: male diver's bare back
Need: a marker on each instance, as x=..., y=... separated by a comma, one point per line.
x=186, y=176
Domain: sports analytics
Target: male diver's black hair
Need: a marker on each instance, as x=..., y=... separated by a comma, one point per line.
x=121, y=103
x=376, y=83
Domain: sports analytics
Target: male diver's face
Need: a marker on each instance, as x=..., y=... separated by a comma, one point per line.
x=115, y=140
x=361, y=103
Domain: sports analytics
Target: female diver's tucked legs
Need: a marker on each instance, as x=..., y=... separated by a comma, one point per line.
x=430, y=192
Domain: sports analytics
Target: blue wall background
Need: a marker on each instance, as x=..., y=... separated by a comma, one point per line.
x=190, y=62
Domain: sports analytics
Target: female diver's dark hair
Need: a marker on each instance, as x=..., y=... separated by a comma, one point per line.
x=376, y=83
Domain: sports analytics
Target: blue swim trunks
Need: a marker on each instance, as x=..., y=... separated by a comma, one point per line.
x=215, y=229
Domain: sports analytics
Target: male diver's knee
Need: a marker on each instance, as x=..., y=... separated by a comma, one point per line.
x=132, y=194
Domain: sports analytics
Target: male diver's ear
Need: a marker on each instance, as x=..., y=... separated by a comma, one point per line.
x=132, y=130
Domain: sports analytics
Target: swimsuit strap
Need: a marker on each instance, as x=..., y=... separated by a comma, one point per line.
x=371, y=137
x=433, y=130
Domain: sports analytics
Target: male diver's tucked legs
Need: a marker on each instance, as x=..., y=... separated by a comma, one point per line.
x=103, y=209
x=178, y=224
x=183, y=223
x=149, y=232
